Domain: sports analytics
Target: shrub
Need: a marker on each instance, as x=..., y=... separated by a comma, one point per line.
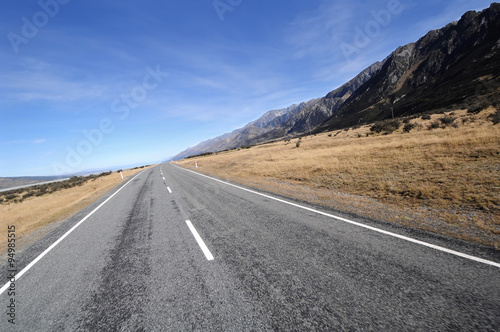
x=386, y=126
x=10, y=196
x=474, y=109
x=408, y=127
x=434, y=125
x=447, y=120
x=495, y=117
x=426, y=117
x=330, y=135
x=478, y=106
x=29, y=194
x=41, y=193
x=298, y=143
x=1, y=200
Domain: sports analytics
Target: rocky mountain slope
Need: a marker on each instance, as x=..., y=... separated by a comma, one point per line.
x=315, y=114
x=290, y=121
x=457, y=66
x=245, y=135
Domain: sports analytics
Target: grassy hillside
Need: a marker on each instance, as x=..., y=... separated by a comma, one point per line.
x=436, y=172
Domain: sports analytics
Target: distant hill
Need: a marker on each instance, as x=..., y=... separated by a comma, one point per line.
x=456, y=67
x=289, y=121
x=248, y=133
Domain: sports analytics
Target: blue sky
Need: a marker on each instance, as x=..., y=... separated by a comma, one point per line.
x=97, y=84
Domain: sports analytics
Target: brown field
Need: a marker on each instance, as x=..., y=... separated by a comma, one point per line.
x=35, y=216
x=444, y=180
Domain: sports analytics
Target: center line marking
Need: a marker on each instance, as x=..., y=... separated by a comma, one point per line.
x=163, y=178
x=169, y=190
x=198, y=238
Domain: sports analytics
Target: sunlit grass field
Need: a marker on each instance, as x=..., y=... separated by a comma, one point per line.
x=443, y=175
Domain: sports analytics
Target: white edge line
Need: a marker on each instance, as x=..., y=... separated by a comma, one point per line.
x=443, y=249
x=30, y=265
x=198, y=238
x=169, y=190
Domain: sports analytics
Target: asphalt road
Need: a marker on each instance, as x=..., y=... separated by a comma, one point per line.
x=135, y=264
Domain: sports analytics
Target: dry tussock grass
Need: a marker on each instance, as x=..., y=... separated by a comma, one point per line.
x=445, y=180
x=35, y=213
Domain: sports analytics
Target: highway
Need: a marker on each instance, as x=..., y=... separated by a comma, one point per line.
x=173, y=250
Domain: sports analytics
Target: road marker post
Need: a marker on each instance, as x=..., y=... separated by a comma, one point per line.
x=121, y=175
x=196, y=163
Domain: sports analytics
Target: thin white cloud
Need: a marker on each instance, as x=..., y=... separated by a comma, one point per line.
x=209, y=83
x=39, y=141
x=453, y=12
x=313, y=33
x=36, y=80
x=28, y=86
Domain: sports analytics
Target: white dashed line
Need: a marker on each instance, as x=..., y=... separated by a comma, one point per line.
x=30, y=265
x=198, y=238
x=402, y=237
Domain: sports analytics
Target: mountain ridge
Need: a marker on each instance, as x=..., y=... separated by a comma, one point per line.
x=457, y=66
x=443, y=69
x=287, y=121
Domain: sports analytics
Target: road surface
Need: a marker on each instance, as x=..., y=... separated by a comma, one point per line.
x=172, y=250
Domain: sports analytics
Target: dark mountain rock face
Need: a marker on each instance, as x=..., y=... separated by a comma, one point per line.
x=457, y=66
x=309, y=118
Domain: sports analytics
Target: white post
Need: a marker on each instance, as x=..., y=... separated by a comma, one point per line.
x=121, y=175
x=196, y=163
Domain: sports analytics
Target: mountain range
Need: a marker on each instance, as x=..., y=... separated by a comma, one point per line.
x=455, y=67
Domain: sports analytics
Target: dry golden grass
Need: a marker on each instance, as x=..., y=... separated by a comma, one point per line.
x=444, y=180
x=35, y=213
